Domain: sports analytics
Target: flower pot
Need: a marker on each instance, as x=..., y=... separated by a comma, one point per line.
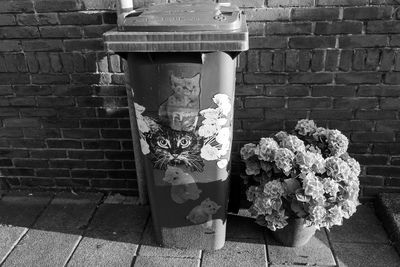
x=295, y=234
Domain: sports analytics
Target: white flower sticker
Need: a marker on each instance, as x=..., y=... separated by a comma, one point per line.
x=145, y=146
x=223, y=102
x=222, y=163
x=210, y=113
x=209, y=152
x=223, y=136
x=139, y=109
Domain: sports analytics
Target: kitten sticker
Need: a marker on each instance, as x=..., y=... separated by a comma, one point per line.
x=202, y=214
x=183, y=186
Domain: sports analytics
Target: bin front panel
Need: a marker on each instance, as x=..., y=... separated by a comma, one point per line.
x=184, y=112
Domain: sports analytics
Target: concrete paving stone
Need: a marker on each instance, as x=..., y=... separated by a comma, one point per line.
x=144, y=261
x=56, y=233
x=113, y=236
x=239, y=227
x=316, y=252
x=18, y=211
x=238, y=252
x=121, y=199
x=99, y=252
x=123, y=223
x=149, y=247
x=366, y=255
x=362, y=227
x=388, y=210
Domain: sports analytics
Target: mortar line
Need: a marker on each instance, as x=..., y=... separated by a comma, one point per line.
x=100, y=202
x=27, y=229
x=140, y=240
x=331, y=247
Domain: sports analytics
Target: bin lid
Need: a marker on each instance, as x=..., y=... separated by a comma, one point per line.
x=197, y=16
x=180, y=27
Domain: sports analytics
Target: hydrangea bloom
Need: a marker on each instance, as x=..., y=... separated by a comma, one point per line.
x=248, y=150
x=305, y=127
x=267, y=146
x=337, y=168
x=284, y=160
x=293, y=143
x=337, y=142
x=274, y=189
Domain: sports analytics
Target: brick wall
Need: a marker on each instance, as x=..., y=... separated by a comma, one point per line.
x=63, y=110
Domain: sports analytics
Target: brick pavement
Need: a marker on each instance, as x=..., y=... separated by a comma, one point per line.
x=89, y=229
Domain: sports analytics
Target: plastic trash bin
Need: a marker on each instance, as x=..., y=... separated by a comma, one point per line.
x=182, y=64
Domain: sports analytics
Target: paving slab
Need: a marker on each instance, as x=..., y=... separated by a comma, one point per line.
x=238, y=252
x=144, y=261
x=149, y=247
x=113, y=236
x=239, y=227
x=366, y=255
x=18, y=211
x=388, y=210
x=316, y=252
x=56, y=233
x=362, y=227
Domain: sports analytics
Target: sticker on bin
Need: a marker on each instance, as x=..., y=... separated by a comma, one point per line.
x=183, y=17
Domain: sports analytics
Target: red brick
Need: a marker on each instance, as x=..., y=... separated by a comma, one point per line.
x=358, y=78
x=317, y=60
x=75, y=112
x=392, y=78
x=331, y=60
x=395, y=40
x=371, y=180
x=99, y=123
x=369, y=137
x=291, y=60
x=266, y=58
x=379, y=90
x=278, y=63
x=355, y=103
x=282, y=28
x=5, y=90
x=60, y=32
x=55, y=173
x=257, y=78
x=252, y=60
x=383, y=26
x=48, y=154
x=345, y=60
x=105, y=183
x=30, y=163
x=249, y=113
x=7, y=19
x=359, y=59
x=309, y=102
x=14, y=78
x=10, y=132
x=390, y=103
x=10, y=45
x=387, y=125
x=37, y=19
x=32, y=90
x=17, y=172
x=328, y=114
x=375, y=114
x=81, y=133
x=111, y=90
x=15, y=62
x=315, y=14
x=384, y=171
x=387, y=148
x=386, y=60
x=255, y=28
x=16, y=6
x=333, y=90
x=268, y=14
x=304, y=60
x=266, y=102
x=85, y=154
x=43, y=61
x=103, y=164
x=284, y=114
x=42, y=45
x=372, y=60
x=5, y=163
x=13, y=32
x=84, y=45
x=352, y=125
x=356, y=41
x=343, y=27
x=55, y=101
x=123, y=155
x=367, y=13
x=57, y=5
x=395, y=161
x=116, y=134
x=306, y=77
x=24, y=122
x=22, y=101
x=101, y=144
x=50, y=78
x=312, y=42
x=88, y=174
x=275, y=125
x=287, y=90
x=341, y=2
x=267, y=42
x=80, y=18
x=67, y=164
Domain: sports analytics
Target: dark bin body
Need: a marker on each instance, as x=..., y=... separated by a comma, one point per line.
x=183, y=85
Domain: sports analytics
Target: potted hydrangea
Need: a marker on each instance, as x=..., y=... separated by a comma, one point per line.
x=301, y=182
